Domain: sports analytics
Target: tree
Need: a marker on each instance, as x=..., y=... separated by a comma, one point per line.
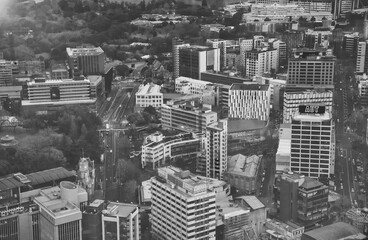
x=267, y=19
x=313, y=19
x=122, y=70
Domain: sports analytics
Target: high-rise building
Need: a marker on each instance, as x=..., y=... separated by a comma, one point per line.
x=5, y=75
x=362, y=57
x=283, y=152
x=282, y=50
x=245, y=46
x=311, y=72
x=221, y=44
x=182, y=206
x=92, y=220
x=86, y=60
x=313, y=142
x=187, y=115
x=158, y=150
x=350, y=43
x=259, y=62
x=292, y=100
x=176, y=45
x=120, y=221
x=365, y=27
x=302, y=199
x=193, y=60
x=216, y=149
x=60, y=211
x=249, y=101
x=315, y=38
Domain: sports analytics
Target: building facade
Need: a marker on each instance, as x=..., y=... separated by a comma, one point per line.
x=149, y=95
x=182, y=206
x=120, y=221
x=157, y=150
x=362, y=58
x=249, y=101
x=350, y=43
x=292, y=100
x=259, y=62
x=216, y=149
x=86, y=60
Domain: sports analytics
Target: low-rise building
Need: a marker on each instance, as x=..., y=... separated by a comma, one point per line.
x=242, y=172
x=284, y=150
x=335, y=231
x=283, y=230
x=149, y=95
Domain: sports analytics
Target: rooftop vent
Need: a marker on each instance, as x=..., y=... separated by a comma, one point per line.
x=21, y=178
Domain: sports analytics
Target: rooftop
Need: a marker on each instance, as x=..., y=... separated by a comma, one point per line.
x=310, y=183
x=250, y=87
x=312, y=116
x=50, y=175
x=119, y=209
x=84, y=51
x=288, y=226
x=252, y=201
x=245, y=166
x=239, y=125
x=284, y=139
x=149, y=89
x=334, y=231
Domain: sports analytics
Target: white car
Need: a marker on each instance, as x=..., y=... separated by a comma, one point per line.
x=352, y=190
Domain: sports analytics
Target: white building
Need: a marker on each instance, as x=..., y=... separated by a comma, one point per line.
x=187, y=85
x=149, y=95
x=259, y=62
x=216, y=149
x=361, y=65
x=283, y=152
x=182, y=206
x=245, y=46
x=158, y=149
x=293, y=99
x=221, y=44
x=249, y=101
x=121, y=221
x=313, y=142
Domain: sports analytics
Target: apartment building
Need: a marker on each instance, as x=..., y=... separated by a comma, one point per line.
x=216, y=149
x=176, y=45
x=149, y=95
x=193, y=60
x=311, y=71
x=302, y=199
x=86, y=60
x=315, y=38
x=158, y=149
x=292, y=100
x=249, y=101
x=120, y=221
x=259, y=62
x=313, y=142
x=182, y=206
x=281, y=49
x=245, y=46
x=187, y=115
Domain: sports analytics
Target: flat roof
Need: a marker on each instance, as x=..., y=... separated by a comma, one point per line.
x=312, y=117
x=250, y=87
x=120, y=209
x=84, y=51
x=94, y=78
x=334, y=231
x=149, y=89
x=54, y=174
x=239, y=125
x=245, y=166
x=253, y=202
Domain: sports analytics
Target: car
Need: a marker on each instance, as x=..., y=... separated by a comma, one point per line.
x=352, y=190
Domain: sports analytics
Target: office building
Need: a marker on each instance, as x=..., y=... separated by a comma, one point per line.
x=281, y=49
x=242, y=172
x=193, y=60
x=311, y=72
x=182, y=206
x=363, y=88
x=216, y=149
x=187, y=115
x=317, y=37
x=315, y=5
x=277, y=87
x=176, y=45
x=158, y=150
x=362, y=58
x=86, y=60
x=149, y=95
x=59, y=71
x=92, y=220
x=249, y=101
x=245, y=45
x=257, y=212
x=283, y=153
x=221, y=44
x=350, y=43
x=279, y=230
x=313, y=142
x=292, y=100
x=335, y=231
x=120, y=221
x=259, y=62
x=302, y=199
x=6, y=75
x=60, y=211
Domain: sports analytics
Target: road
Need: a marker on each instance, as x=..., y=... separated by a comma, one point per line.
x=343, y=105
